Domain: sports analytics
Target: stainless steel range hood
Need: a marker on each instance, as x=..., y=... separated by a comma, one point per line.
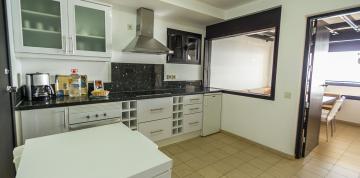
x=144, y=41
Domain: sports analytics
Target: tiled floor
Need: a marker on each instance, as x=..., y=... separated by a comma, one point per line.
x=225, y=156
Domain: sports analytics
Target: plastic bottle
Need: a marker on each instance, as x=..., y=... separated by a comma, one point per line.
x=75, y=81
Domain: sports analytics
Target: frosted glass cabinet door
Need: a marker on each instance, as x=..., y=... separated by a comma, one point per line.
x=41, y=26
x=89, y=28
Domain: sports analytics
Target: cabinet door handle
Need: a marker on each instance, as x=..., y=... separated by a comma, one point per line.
x=156, y=131
x=192, y=109
x=156, y=109
x=105, y=114
x=71, y=45
x=65, y=46
x=88, y=117
x=193, y=123
x=195, y=99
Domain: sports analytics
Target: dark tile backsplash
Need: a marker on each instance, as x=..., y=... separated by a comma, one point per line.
x=134, y=77
x=137, y=77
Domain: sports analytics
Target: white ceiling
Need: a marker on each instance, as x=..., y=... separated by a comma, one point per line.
x=336, y=19
x=169, y=11
x=225, y=4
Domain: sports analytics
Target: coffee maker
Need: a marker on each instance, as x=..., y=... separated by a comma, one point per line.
x=38, y=86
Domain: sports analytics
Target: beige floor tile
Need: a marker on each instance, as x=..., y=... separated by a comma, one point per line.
x=254, y=151
x=209, y=159
x=338, y=170
x=222, y=155
x=240, y=146
x=250, y=170
x=208, y=147
x=236, y=174
x=308, y=174
x=182, y=170
x=209, y=172
x=174, y=149
x=223, y=167
x=229, y=149
x=173, y=175
x=219, y=154
x=196, y=163
x=335, y=175
x=198, y=152
x=233, y=161
x=194, y=175
x=270, y=158
x=184, y=156
x=244, y=156
x=261, y=164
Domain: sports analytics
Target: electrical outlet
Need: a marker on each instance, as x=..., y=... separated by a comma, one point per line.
x=287, y=95
x=168, y=76
x=173, y=77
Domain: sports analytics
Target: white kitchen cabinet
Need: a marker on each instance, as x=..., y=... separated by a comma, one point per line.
x=212, y=113
x=154, y=109
x=192, y=122
x=42, y=122
x=156, y=130
x=193, y=99
x=61, y=29
x=193, y=108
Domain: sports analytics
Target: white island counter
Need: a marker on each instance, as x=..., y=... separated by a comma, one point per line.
x=111, y=151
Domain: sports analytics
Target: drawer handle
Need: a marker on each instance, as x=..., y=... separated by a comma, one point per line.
x=105, y=114
x=96, y=115
x=156, y=131
x=157, y=109
x=193, y=123
x=192, y=109
x=195, y=99
x=87, y=117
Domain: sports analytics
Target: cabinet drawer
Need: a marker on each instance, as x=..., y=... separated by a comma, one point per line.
x=194, y=108
x=76, y=118
x=154, y=109
x=192, y=122
x=95, y=107
x=156, y=130
x=193, y=99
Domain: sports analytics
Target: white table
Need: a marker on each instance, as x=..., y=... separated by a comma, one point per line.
x=111, y=151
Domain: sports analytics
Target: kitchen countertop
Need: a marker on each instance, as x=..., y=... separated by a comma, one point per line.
x=113, y=97
x=110, y=151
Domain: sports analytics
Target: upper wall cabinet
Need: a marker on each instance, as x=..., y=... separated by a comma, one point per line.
x=62, y=28
x=186, y=47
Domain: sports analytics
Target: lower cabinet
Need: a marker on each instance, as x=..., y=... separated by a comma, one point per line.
x=192, y=122
x=41, y=122
x=156, y=130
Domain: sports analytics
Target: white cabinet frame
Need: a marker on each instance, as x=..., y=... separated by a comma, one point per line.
x=68, y=34
x=18, y=33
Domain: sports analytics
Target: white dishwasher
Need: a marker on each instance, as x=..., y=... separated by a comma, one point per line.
x=212, y=113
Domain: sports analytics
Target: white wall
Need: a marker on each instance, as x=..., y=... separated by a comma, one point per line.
x=339, y=66
x=122, y=37
x=350, y=112
x=121, y=18
x=274, y=123
x=241, y=62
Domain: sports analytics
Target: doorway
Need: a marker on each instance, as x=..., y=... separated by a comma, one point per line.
x=331, y=61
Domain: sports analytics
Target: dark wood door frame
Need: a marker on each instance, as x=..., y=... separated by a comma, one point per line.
x=301, y=128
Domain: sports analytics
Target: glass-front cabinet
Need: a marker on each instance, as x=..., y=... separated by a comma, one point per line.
x=90, y=28
x=62, y=27
x=185, y=47
x=40, y=27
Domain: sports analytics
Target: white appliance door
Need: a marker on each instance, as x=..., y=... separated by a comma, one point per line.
x=212, y=114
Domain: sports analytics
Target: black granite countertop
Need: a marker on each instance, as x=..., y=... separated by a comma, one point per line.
x=113, y=97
